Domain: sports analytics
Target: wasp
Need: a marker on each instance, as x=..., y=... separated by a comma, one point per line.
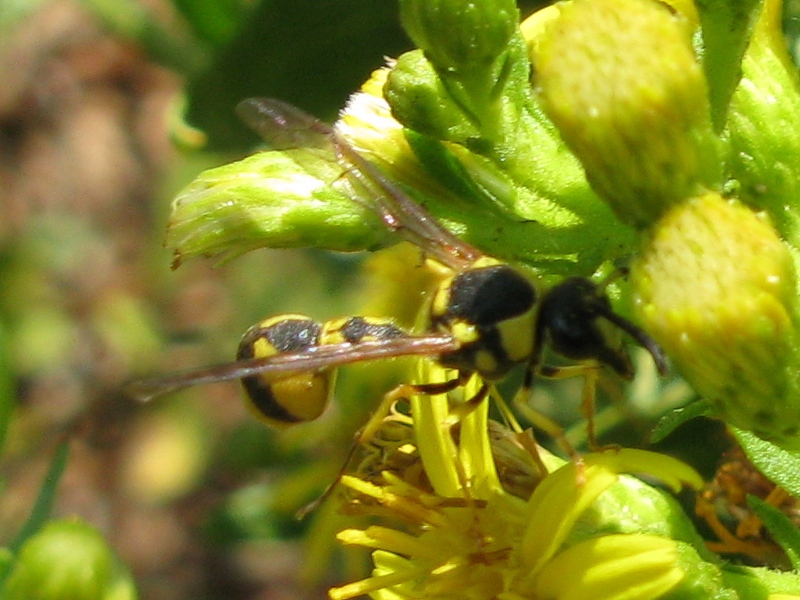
x=486, y=317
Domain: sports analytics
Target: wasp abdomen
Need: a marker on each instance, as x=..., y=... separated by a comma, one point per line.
x=288, y=397
x=282, y=399
x=360, y=329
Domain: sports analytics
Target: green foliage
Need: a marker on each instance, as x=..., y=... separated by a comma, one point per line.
x=782, y=529
x=40, y=512
x=779, y=465
x=131, y=19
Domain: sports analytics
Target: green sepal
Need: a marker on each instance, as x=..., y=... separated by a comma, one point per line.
x=781, y=528
x=726, y=29
x=433, y=102
x=470, y=46
x=439, y=162
x=266, y=200
x=631, y=506
x=420, y=101
x=764, y=129
x=703, y=580
x=758, y=583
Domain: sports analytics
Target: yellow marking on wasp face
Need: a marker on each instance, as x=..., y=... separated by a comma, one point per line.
x=517, y=335
x=485, y=362
x=464, y=332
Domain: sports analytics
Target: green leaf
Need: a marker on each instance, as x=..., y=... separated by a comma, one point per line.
x=674, y=419
x=43, y=505
x=306, y=52
x=782, y=529
x=778, y=465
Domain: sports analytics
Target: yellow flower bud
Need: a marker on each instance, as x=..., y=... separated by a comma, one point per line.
x=716, y=287
x=620, y=80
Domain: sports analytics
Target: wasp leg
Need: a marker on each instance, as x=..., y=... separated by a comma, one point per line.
x=328, y=491
x=371, y=427
x=541, y=421
x=525, y=437
x=403, y=391
x=465, y=408
x=590, y=373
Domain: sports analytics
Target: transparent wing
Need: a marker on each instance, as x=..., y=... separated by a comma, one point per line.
x=326, y=155
x=318, y=357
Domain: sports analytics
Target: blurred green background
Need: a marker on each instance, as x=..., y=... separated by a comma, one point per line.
x=196, y=497
x=194, y=494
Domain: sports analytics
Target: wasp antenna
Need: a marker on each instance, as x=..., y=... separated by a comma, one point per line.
x=642, y=338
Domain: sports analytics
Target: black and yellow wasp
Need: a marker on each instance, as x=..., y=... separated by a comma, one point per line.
x=485, y=318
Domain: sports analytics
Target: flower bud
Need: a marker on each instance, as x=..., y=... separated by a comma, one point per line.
x=420, y=102
x=460, y=35
x=620, y=80
x=266, y=200
x=68, y=560
x=716, y=287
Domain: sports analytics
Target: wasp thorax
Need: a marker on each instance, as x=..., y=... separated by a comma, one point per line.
x=490, y=310
x=285, y=398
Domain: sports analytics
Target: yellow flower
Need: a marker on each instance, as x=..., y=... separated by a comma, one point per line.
x=457, y=532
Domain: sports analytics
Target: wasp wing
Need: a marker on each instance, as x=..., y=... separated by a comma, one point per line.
x=308, y=140
x=318, y=357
